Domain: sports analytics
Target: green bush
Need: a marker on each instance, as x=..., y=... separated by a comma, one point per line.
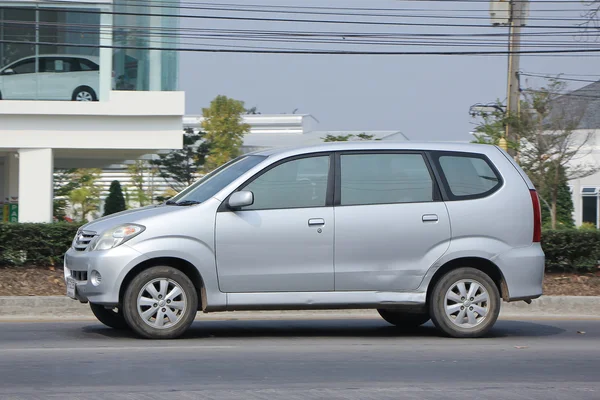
x=45, y=245
x=571, y=249
x=35, y=244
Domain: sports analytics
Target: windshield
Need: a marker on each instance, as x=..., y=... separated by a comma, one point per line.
x=212, y=183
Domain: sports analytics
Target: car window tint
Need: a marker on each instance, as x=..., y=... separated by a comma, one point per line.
x=87, y=65
x=468, y=176
x=300, y=183
x=25, y=67
x=384, y=179
x=55, y=64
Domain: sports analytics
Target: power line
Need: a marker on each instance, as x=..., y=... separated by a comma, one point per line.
x=312, y=21
x=312, y=52
x=559, y=78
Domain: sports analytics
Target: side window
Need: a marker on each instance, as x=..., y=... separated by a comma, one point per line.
x=54, y=64
x=87, y=65
x=468, y=176
x=299, y=183
x=384, y=179
x=25, y=67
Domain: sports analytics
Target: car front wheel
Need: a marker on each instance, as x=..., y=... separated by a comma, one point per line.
x=160, y=303
x=465, y=303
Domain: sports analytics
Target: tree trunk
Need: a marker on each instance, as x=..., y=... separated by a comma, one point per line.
x=554, y=196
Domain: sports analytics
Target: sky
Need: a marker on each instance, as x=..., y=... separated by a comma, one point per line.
x=426, y=97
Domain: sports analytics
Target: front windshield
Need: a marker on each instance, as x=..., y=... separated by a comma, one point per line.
x=212, y=183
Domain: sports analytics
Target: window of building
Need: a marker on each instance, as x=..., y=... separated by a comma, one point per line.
x=384, y=179
x=589, y=205
x=300, y=183
x=469, y=176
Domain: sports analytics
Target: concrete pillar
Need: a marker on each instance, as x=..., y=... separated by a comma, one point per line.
x=11, y=184
x=2, y=184
x=106, y=55
x=11, y=177
x=36, y=189
x=155, y=57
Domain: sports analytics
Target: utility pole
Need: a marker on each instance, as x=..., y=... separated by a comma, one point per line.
x=517, y=20
x=512, y=13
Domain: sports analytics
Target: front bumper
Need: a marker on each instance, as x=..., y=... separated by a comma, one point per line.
x=112, y=265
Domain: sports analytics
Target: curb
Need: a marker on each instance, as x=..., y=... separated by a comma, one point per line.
x=63, y=308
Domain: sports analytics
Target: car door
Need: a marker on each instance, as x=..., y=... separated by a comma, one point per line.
x=390, y=223
x=57, y=78
x=284, y=241
x=19, y=81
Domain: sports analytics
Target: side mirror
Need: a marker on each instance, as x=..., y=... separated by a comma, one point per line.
x=241, y=199
x=8, y=71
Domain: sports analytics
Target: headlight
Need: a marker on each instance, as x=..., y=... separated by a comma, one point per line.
x=116, y=236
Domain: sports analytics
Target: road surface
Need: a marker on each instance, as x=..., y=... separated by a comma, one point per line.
x=358, y=359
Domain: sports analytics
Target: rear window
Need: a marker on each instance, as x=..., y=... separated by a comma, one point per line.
x=468, y=176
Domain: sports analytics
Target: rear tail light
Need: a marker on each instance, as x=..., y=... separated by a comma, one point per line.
x=537, y=217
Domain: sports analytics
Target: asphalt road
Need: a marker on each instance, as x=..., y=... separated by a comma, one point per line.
x=301, y=359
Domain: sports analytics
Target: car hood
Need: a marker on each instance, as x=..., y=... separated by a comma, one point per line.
x=136, y=216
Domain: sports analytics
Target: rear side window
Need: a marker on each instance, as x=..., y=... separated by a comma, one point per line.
x=469, y=176
x=384, y=179
x=87, y=65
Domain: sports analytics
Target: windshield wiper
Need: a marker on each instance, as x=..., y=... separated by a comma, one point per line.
x=182, y=203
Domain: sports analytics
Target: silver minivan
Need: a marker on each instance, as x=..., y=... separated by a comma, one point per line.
x=419, y=232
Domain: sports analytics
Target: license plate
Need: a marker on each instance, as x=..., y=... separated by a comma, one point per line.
x=71, y=287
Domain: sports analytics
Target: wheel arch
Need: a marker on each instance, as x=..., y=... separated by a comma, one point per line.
x=178, y=263
x=484, y=265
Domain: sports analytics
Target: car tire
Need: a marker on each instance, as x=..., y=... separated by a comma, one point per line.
x=84, y=93
x=160, y=303
x=465, y=303
x=109, y=317
x=402, y=319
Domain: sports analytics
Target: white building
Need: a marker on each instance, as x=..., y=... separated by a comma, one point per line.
x=48, y=54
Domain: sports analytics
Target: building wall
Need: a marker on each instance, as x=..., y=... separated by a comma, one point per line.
x=586, y=189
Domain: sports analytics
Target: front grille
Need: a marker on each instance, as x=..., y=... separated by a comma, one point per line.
x=82, y=240
x=79, y=275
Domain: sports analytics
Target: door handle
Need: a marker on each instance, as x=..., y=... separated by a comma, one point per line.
x=430, y=218
x=316, y=222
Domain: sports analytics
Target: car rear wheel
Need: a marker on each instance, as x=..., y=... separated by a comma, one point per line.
x=403, y=319
x=113, y=318
x=160, y=303
x=84, y=94
x=465, y=303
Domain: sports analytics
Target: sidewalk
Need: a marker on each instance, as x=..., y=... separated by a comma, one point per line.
x=63, y=308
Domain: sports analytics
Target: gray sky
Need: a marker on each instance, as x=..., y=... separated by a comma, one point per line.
x=426, y=97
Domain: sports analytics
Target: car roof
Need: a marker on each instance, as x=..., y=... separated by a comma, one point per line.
x=377, y=145
x=96, y=59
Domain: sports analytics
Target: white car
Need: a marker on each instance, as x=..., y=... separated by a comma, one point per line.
x=58, y=77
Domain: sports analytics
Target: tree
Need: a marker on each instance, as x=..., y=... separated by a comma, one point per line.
x=550, y=146
x=179, y=168
x=85, y=199
x=225, y=130
x=64, y=183
x=348, y=137
x=564, y=205
x=140, y=171
x=493, y=127
x=115, y=201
